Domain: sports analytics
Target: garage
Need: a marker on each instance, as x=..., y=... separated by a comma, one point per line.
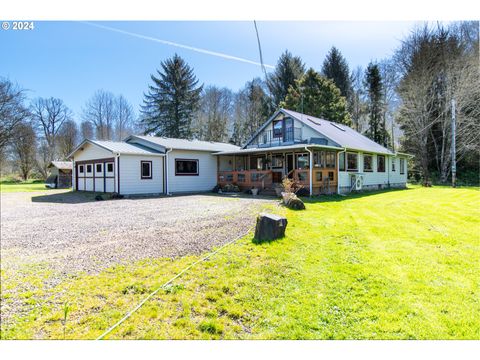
x=96, y=175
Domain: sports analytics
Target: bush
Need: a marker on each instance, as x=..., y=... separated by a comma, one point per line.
x=231, y=188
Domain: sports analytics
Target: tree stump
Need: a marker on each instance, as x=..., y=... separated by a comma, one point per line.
x=270, y=227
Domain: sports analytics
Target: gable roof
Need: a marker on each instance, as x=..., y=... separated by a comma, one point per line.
x=119, y=147
x=62, y=165
x=183, y=144
x=340, y=134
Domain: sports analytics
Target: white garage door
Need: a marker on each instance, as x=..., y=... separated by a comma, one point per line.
x=96, y=175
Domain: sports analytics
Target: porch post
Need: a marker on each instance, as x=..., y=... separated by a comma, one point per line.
x=311, y=172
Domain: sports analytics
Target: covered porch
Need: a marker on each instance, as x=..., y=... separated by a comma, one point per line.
x=265, y=169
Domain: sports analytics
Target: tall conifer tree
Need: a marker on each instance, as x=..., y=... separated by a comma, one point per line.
x=172, y=100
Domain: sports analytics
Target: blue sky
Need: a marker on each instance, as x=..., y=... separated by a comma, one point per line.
x=70, y=60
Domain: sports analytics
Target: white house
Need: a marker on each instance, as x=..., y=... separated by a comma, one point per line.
x=146, y=165
x=325, y=157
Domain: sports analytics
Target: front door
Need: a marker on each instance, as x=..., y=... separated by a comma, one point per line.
x=289, y=164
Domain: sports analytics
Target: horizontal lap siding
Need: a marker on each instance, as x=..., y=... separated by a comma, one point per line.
x=375, y=177
x=130, y=175
x=92, y=152
x=207, y=172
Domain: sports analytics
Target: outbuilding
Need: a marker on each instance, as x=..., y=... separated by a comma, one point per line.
x=60, y=175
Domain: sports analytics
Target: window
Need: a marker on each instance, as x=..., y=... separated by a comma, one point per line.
x=318, y=176
x=257, y=163
x=110, y=167
x=98, y=168
x=186, y=167
x=89, y=169
x=381, y=163
x=80, y=169
x=146, y=168
x=318, y=159
x=393, y=164
x=277, y=161
x=341, y=161
x=330, y=159
x=302, y=161
x=241, y=177
x=352, y=162
x=331, y=175
x=367, y=163
x=277, y=129
x=402, y=166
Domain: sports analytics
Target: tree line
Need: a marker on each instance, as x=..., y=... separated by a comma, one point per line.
x=402, y=102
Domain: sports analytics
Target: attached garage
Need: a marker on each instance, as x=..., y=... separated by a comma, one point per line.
x=109, y=166
x=146, y=165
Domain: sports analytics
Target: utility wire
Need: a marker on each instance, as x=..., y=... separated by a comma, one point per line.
x=260, y=51
x=141, y=303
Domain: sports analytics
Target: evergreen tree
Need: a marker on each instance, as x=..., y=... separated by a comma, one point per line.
x=335, y=68
x=172, y=100
x=375, y=103
x=289, y=69
x=317, y=96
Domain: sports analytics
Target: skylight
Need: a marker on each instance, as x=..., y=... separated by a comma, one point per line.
x=338, y=126
x=314, y=121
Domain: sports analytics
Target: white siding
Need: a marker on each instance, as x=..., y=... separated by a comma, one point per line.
x=91, y=152
x=131, y=181
x=373, y=179
x=207, y=172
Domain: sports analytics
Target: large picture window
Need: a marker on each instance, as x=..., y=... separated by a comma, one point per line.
x=186, y=167
x=352, y=162
x=146, y=169
x=367, y=163
x=381, y=163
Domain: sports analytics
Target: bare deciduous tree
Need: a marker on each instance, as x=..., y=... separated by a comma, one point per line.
x=12, y=110
x=86, y=130
x=100, y=111
x=214, y=115
x=23, y=148
x=125, y=118
x=67, y=138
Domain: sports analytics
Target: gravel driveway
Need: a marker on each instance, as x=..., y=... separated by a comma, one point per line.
x=70, y=232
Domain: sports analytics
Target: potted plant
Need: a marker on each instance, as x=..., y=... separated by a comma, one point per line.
x=254, y=191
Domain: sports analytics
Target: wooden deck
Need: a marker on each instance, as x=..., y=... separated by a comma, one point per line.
x=324, y=180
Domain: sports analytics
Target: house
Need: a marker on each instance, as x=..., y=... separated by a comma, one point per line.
x=325, y=157
x=60, y=175
x=146, y=165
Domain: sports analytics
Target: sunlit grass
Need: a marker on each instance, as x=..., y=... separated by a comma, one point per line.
x=24, y=186
x=388, y=265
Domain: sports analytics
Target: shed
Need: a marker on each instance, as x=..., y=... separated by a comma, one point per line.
x=60, y=175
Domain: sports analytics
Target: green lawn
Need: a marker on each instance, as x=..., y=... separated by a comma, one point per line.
x=25, y=186
x=389, y=265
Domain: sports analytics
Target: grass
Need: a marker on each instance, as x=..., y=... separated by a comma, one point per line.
x=23, y=186
x=387, y=265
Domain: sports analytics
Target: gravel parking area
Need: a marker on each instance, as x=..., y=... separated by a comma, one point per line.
x=70, y=232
